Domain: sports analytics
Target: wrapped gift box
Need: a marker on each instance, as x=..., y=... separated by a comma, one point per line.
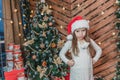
x=12, y=75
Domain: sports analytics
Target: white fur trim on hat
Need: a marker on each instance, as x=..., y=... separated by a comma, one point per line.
x=80, y=24
x=69, y=37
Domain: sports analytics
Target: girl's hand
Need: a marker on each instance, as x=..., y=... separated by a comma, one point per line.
x=71, y=63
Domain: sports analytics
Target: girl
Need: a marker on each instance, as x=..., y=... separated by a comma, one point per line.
x=80, y=45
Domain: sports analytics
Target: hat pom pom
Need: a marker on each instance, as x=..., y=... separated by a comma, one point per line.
x=69, y=37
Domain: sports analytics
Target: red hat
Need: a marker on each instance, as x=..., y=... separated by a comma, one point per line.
x=77, y=22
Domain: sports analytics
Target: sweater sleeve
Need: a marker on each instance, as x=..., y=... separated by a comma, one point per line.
x=98, y=50
x=63, y=51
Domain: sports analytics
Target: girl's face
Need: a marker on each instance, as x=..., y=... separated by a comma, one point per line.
x=80, y=33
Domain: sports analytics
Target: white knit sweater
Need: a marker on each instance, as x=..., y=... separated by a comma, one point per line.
x=83, y=67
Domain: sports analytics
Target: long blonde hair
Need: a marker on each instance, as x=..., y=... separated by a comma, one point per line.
x=75, y=49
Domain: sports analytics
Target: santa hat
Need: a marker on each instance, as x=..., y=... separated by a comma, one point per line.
x=75, y=23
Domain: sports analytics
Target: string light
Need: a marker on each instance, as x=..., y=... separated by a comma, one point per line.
x=50, y=6
x=31, y=15
x=20, y=23
x=78, y=5
x=19, y=34
x=24, y=27
x=25, y=39
x=61, y=26
x=11, y=22
x=116, y=2
x=63, y=8
x=32, y=11
x=24, y=24
x=42, y=13
x=15, y=10
x=99, y=43
x=24, y=15
x=113, y=33
x=102, y=12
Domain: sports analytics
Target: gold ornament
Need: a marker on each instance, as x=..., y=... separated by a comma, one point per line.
x=28, y=42
x=40, y=26
x=36, y=33
x=44, y=25
x=45, y=18
x=46, y=9
x=57, y=61
x=44, y=34
x=42, y=71
x=31, y=15
x=42, y=13
x=53, y=45
x=60, y=43
x=42, y=45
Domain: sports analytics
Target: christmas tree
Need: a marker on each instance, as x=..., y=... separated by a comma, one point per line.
x=42, y=46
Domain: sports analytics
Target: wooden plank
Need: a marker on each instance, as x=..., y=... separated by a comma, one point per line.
x=60, y=10
x=105, y=66
x=90, y=8
x=59, y=22
x=106, y=72
x=20, y=20
x=102, y=17
x=81, y=7
x=15, y=24
x=8, y=29
x=106, y=58
x=105, y=44
x=103, y=22
x=99, y=10
x=104, y=30
x=61, y=3
x=61, y=17
x=109, y=49
x=109, y=77
x=75, y=3
x=105, y=36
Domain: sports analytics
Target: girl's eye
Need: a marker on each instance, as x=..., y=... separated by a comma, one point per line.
x=77, y=31
x=83, y=30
